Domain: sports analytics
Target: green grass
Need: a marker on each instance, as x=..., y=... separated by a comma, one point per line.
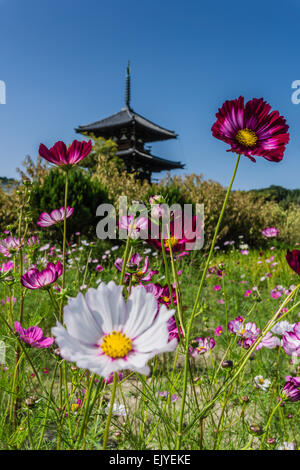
x=151, y=422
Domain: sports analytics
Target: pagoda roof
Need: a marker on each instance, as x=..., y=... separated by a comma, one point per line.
x=156, y=164
x=127, y=117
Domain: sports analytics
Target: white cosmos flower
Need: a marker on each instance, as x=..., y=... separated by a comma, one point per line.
x=118, y=410
x=281, y=327
x=105, y=334
x=287, y=446
x=262, y=383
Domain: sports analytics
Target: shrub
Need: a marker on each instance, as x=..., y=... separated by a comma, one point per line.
x=84, y=196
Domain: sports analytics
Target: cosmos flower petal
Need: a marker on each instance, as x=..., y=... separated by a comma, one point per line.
x=142, y=308
x=81, y=322
x=113, y=307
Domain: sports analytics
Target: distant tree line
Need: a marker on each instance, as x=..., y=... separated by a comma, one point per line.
x=284, y=197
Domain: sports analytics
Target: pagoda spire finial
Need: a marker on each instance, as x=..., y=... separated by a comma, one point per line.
x=127, y=93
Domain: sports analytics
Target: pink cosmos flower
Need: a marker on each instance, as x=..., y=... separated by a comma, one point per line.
x=10, y=245
x=35, y=279
x=99, y=268
x=165, y=297
x=62, y=156
x=34, y=240
x=202, y=347
x=221, y=301
x=33, y=336
x=138, y=274
x=269, y=341
x=218, y=330
x=275, y=294
x=235, y=325
x=270, y=232
x=55, y=217
x=6, y=267
x=247, y=293
x=110, y=379
x=136, y=227
x=217, y=287
x=251, y=129
x=244, y=252
x=291, y=341
x=173, y=330
x=291, y=389
x=248, y=334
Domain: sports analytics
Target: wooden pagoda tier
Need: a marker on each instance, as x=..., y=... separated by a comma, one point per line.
x=131, y=132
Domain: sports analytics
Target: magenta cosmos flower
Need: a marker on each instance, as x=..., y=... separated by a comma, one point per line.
x=6, y=267
x=55, y=217
x=162, y=296
x=251, y=129
x=33, y=336
x=201, y=346
x=62, y=156
x=138, y=273
x=270, y=232
x=291, y=389
x=35, y=279
x=183, y=235
x=293, y=259
x=291, y=341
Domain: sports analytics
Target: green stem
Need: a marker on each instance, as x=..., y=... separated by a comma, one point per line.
x=64, y=242
x=268, y=423
x=125, y=258
x=113, y=395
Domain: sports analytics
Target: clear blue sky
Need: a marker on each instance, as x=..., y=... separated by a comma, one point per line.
x=64, y=64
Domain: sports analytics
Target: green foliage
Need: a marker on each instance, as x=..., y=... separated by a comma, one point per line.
x=284, y=197
x=84, y=196
x=102, y=148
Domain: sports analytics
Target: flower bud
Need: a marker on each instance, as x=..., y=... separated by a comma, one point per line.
x=245, y=399
x=227, y=364
x=131, y=267
x=256, y=429
x=30, y=402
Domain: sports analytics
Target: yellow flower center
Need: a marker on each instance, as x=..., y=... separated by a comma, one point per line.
x=165, y=298
x=116, y=345
x=75, y=407
x=246, y=137
x=200, y=348
x=173, y=241
x=261, y=381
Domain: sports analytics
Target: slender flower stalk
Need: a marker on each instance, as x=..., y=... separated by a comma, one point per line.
x=125, y=258
x=64, y=240
x=268, y=423
x=61, y=370
x=108, y=420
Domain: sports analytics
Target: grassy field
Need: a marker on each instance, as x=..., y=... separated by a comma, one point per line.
x=49, y=403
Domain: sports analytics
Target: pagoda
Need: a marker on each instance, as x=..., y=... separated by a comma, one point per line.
x=131, y=132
